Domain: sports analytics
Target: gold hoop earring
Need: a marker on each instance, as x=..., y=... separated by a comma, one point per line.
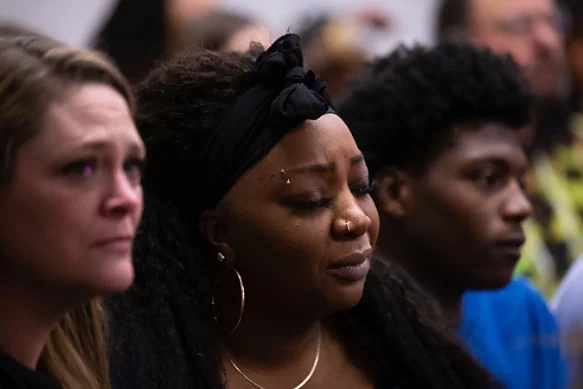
x=221, y=258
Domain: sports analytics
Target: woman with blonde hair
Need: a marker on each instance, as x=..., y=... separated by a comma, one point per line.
x=70, y=200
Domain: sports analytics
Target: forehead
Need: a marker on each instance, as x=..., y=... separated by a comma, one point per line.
x=321, y=141
x=486, y=142
x=85, y=113
x=482, y=10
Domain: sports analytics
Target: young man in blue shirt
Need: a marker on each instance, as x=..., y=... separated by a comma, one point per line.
x=440, y=130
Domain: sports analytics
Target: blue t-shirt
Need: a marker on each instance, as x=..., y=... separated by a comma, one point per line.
x=515, y=336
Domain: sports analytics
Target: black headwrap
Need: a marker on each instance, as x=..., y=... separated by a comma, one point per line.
x=286, y=96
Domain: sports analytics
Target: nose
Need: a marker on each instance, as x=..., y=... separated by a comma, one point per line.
x=124, y=196
x=547, y=38
x=351, y=222
x=517, y=207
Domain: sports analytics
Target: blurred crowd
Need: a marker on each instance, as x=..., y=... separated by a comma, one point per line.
x=495, y=65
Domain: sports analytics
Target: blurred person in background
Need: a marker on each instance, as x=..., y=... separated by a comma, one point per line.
x=532, y=32
x=141, y=32
x=439, y=129
x=70, y=200
x=334, y=47
x=221, y=30
x=574, y=51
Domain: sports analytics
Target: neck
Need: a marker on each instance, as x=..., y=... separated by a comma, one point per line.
x=272, y=341
x=447, y=295
x=26, y=321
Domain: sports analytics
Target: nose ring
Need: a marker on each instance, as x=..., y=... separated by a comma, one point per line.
x=347, y=225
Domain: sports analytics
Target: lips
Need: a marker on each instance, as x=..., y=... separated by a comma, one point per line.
x=120, y=243
x=511, y=248
x=353, y=267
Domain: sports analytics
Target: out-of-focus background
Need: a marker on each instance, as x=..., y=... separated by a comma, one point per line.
x=75, y=22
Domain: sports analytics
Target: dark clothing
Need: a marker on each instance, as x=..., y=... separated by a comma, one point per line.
x=14, y=375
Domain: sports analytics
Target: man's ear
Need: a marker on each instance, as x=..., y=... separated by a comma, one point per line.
x=393, y=192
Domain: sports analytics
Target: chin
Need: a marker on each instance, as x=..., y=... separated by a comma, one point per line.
x=346, y=298
x=113, y=279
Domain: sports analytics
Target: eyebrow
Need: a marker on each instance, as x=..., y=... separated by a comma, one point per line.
x=498, y=161
x=97, y=145
x=324, y=168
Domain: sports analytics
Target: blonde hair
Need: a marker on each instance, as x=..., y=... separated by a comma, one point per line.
x=33, y=71
x=76, y=353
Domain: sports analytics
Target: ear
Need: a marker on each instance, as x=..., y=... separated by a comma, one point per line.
x=214, y=230
x=393, y=192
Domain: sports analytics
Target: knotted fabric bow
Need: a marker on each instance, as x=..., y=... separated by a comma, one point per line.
x=285, y=96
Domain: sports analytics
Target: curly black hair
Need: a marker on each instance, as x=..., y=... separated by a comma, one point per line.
x=163, y=334
x=405, y=108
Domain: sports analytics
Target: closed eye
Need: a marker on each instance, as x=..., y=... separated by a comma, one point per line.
x=361, y=190
x=310, y=205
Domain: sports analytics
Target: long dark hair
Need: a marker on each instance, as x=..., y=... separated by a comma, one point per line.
x=163, y=331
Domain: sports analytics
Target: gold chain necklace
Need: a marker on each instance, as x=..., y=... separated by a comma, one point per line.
x=301, y=384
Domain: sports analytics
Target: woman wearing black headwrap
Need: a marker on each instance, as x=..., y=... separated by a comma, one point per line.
x=256, y=242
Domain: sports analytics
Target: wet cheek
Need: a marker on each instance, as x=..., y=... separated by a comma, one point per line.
x=308, y=243
x=302, y=237
x=300, y=245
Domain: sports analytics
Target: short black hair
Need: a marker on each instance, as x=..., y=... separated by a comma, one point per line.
x=452, y=20
x=405, y=108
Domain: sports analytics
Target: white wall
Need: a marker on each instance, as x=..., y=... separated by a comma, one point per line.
x=71, y=21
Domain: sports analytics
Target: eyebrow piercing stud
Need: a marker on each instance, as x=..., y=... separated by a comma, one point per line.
x=283, y=173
